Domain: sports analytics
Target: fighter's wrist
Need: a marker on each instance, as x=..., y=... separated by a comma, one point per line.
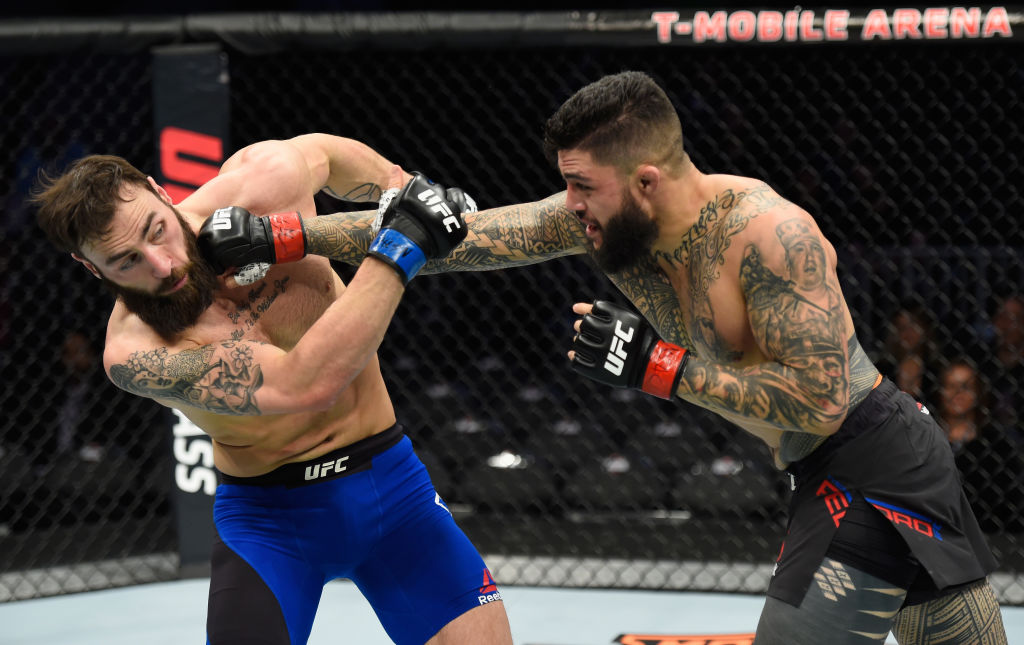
x=664, y=369
x=396, y=249
x=287, y=235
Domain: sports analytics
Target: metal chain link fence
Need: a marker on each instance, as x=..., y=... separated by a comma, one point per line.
x=908, y=155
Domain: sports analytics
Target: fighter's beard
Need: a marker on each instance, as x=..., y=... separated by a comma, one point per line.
x=626, y=238
x=172, y=313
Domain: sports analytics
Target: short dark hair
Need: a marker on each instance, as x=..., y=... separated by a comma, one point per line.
x=624, y=120
x=80, y=204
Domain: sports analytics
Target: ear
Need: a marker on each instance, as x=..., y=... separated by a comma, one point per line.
x=88, y=265
x=647, y=179
x=159, y=190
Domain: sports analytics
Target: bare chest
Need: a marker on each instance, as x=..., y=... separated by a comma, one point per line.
x=276, y=310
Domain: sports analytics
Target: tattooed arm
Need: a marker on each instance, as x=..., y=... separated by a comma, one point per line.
x=797, y=315
x=251, y=378
x=498, y=238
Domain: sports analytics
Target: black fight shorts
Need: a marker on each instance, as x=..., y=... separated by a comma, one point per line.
x=891, y=456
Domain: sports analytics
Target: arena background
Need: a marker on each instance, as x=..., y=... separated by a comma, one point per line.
x=906, y=150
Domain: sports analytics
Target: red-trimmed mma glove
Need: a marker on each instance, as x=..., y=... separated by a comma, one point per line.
x=619, y=348
x=419, y=223
x=234, y=237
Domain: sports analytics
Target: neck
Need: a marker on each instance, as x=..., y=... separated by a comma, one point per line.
x=678, y=207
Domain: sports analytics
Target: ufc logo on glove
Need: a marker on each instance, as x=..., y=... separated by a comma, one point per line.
x=438, y=205
x=221, y=220
x=617, y=355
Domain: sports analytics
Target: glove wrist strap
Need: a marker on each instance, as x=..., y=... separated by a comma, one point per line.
x=664, y=369
x=399, y=251
x=289, y=237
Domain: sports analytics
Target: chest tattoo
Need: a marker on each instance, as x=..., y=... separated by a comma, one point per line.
x=257, y=303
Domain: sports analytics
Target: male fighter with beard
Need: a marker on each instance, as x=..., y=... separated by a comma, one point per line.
x=742, y=286
x=317, y=479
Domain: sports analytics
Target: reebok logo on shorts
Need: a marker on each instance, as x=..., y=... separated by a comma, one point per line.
x=488, y=591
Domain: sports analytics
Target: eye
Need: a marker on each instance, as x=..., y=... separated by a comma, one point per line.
x=128, y=263
x=158, y=232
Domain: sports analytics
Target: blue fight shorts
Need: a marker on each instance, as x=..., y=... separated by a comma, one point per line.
x=367, y=512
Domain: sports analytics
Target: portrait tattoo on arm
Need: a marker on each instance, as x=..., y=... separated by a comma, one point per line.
x=221, y=378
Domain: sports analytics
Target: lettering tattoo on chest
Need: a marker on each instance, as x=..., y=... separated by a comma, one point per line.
x=220, y=378
x=257, y=303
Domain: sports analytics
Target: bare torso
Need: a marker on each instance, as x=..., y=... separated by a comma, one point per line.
x=695, y=297
x=277, y=311
x=213, y=371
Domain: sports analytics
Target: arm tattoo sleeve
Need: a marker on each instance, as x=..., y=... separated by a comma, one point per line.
x=515, y=235
x=498, y=238
x=221, y=378
x=344, y=237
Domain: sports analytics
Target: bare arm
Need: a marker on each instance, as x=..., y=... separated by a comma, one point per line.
x=800, y=322
x=498, y=238
x=250, y=378
x=274, y=176
x=348, y=169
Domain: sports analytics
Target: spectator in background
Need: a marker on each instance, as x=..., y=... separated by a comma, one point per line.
x=1005, y=365
x=84, y=379
x=988, y=461
x=910, y=352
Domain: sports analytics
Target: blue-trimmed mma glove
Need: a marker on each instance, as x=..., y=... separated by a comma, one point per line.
x=234, y=237
x=417, y=224
x=619, y=348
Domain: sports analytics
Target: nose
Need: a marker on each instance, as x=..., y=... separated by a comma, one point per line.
x=161, y=262
x=573, y=201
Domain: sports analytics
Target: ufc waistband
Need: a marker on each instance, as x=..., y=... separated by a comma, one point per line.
x=342, y=462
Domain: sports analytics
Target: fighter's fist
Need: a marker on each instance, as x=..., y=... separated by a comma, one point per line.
x=417, y=224
x=619, y=348
x=234, y=237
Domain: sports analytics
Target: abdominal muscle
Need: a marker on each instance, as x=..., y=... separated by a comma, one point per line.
x=247, y=446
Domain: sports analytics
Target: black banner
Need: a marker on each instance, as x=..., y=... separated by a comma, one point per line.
x=265, y=33
x=191, y=113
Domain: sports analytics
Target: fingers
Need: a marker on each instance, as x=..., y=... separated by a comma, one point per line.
x=582, y=307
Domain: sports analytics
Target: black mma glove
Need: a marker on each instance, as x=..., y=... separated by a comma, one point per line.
x=461, y=199
x=420, y=223
x=619, y=348
x=234, y=237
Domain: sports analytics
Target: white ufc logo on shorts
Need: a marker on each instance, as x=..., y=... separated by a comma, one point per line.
x=617, y=355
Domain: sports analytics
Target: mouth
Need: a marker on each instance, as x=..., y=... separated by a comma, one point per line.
x=176, y=286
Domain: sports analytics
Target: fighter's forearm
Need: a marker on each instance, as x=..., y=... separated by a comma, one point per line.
x=516, y=235
x=344, y=237
x=498, y=238
x=776, y=395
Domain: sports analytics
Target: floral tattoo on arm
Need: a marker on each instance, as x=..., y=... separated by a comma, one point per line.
x=221, y=378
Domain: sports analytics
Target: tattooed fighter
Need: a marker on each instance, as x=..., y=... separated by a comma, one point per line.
x=742, y=314
x=317, y=479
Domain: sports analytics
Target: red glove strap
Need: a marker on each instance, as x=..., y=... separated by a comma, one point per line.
x=663, y=369
x=289, y=239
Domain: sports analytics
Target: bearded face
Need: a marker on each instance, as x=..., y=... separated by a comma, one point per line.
x=626, y=237
x=171, y=312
